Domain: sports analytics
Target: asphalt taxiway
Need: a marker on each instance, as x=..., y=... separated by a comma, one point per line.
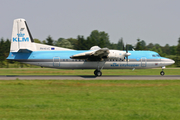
x=75, y=77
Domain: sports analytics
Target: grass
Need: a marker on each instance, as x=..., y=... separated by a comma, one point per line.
x=49, y=71
x=94, y=100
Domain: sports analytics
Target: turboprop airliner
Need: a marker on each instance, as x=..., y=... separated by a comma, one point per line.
x=25, y=50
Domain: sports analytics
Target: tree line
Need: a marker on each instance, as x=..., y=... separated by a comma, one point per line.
x=101, y=39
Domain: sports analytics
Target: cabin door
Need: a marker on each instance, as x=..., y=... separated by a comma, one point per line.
x=56, y=61
x=143, y=62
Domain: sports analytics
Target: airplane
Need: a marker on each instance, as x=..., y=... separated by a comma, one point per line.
x=24, y=49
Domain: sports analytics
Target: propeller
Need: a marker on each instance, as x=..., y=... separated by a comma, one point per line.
x=127, y=53
x=123, y=47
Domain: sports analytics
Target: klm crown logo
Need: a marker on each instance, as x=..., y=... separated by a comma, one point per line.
x=20, y=34
x=20, y=38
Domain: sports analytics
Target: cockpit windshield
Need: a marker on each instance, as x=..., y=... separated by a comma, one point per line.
x=156, y=55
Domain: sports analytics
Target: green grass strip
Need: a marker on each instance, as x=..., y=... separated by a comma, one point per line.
x=95, y=100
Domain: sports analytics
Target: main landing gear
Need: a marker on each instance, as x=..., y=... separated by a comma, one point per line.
x=162, y=72
x=97, y=72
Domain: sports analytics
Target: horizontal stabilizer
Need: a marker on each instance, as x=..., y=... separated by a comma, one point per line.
x=24, y=51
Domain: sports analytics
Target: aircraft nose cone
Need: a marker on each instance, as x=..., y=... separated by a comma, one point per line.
x=171, y=61
x=167, y=61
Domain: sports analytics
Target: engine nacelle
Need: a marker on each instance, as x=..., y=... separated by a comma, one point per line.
x=116, y=54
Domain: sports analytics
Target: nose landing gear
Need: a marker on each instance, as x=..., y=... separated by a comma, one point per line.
x=162, y=72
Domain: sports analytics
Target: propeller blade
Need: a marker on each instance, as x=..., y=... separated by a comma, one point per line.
x=123, y=47
x=126, y=48
x=126, y=52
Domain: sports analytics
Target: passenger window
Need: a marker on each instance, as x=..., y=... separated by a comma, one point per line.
x=153, y=55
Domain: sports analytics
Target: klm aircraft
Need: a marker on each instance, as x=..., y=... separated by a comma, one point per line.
x=25, y=50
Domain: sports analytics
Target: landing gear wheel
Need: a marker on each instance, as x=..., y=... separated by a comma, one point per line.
x=97, y=73
x=162, y=73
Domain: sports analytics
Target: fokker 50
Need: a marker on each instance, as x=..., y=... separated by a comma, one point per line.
x=25, y=50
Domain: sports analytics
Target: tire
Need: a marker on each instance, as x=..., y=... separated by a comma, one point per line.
x=99, y=73
x=95, y=72
x=162, y=73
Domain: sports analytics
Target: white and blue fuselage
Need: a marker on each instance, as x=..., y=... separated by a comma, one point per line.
x=62, y=60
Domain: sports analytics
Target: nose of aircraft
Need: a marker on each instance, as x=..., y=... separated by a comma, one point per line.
x=167, y=61
x=170, y=61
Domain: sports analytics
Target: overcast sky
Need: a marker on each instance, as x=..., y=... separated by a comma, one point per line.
x=156, y=21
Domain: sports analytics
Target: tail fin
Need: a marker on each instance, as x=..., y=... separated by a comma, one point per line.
x=21, y=39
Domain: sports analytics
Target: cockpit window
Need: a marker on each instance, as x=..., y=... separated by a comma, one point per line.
x=157, y=55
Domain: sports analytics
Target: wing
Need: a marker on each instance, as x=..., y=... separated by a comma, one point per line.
x=96, y=55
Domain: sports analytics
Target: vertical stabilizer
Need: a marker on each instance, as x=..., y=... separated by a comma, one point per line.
x=21, y=37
